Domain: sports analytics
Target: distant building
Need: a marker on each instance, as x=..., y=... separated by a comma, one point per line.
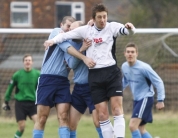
x=42, y=13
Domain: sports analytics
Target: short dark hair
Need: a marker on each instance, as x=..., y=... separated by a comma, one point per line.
x=131, y=44
x=70, y=18
x=27, y=55
x=98, y=8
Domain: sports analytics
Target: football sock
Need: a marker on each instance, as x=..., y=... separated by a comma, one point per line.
x=99, y=132
x=73, y=134
x=38, y=133
x=64, y=132
x=18, y=134
x=106, y=128
x=119, y=126
x=146, y=135
x=136, y=134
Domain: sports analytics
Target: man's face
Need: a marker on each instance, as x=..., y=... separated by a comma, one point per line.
x=101, y=19
x=131, y=55
x=28, y=63
x=66, y=26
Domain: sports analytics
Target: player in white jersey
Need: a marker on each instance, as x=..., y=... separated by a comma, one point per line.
x=105, y=77
x=141, y=78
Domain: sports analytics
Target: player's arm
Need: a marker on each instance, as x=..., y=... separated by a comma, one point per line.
x=120, y=29
x=158, y=84
x=77, y=33
x=71, y=61
x=8, y=93
x=124, y=79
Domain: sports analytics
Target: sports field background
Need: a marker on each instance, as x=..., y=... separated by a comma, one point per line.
x=164, y=126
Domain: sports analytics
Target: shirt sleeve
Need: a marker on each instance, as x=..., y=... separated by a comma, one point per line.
x=72, y=61
x=124, y=79
x=156, y=81
x=10, y=88
x=78, y=33
x=119, y=29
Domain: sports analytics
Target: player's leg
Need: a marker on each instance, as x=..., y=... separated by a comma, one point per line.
x=42, y=115
x=62, y=100
x=20, y=118
x=44, y=100
x=74, y=118
x=63, y=118
x=105, y=123
x=96, y=123
x=133, y=126
x=142, y=114
x=144, y=132
x=117, y=112
x=114, y=87
x=97, y=81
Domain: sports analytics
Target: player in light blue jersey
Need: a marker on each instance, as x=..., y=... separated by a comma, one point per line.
x=81, y=95
x=53, y=87
x=141, y=78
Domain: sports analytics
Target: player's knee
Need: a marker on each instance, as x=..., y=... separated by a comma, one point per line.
x=132, y=127
x=103, y=116
x=63, y=117
x=42, y=120
x=72, y=127
x=117, y=111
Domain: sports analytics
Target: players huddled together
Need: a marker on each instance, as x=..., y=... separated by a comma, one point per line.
x=89, y=51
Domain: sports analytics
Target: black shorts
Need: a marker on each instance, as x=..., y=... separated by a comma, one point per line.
x=105, y=83
x=24, y=109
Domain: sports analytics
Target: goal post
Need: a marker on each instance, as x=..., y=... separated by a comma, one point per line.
x=157, y=46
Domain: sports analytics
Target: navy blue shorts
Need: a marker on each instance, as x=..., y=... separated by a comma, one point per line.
x=81, y=98
x=143, y=109
x=52, y=89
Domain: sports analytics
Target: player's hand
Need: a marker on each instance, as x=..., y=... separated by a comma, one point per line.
x=5, y=106
x=89, y=62
x=48, y=43
x=129, y=25
x=86, y=44
x=90, y=22
x=160, y=105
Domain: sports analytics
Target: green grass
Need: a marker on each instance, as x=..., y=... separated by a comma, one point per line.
x=165, y=126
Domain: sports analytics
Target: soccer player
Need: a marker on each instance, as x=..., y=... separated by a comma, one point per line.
x=81, y=95
x=53, y=86
x=141, y=78
x=105, y=79
x=25, y=81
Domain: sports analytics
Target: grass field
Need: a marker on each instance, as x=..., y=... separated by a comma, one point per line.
x=165, y=125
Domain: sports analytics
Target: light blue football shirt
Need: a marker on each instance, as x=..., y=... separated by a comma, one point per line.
x=141, y=78
x=53, y=61
x=78, y=66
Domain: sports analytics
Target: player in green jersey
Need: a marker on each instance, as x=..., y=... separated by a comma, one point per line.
x=25, y=80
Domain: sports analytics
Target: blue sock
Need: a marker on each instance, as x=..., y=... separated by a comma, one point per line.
x=99, y=132
x=73, y=134
x=64, y=132
x=146, y=135
x=136, y=134
x=38, y=133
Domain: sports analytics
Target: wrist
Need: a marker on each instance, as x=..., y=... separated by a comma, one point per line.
x=160, y=100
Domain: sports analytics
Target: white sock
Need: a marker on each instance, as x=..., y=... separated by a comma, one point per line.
x=106, y=128
x=119, y=126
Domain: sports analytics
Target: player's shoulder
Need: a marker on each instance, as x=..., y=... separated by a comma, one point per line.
x=36, y=71
x=115, y=24
x=18, y=72
x=143, y=66
x=125, y=64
